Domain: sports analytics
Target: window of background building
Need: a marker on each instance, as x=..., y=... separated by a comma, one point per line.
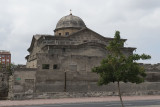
x=59, y=33
x=3, y=59
x=7, y=60
x=45, y=66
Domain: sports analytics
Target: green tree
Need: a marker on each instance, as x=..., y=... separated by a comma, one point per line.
x=10, y=68
x=7, y=68
x=117, y=67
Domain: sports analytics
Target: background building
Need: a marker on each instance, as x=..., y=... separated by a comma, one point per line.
x=5, y=60
x=5, y=57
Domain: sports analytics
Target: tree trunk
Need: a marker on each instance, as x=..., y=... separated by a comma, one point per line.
x=119, y=91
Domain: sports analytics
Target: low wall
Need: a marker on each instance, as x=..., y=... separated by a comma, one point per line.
x=151, y=67
x=4, y=77
x=30, y=83
x=147, y=88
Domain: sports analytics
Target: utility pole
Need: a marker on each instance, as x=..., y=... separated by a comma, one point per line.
x=65, y=77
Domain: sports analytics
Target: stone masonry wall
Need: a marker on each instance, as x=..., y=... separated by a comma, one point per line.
x=30, y=83
x=22, y=81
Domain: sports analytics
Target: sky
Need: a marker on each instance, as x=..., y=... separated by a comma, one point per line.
x=137, y=20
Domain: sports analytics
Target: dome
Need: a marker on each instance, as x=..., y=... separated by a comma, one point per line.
x=70, y=21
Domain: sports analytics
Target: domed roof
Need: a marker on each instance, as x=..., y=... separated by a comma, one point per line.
x=70, y=21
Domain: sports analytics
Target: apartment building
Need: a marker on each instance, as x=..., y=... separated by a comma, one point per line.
x=5, y=57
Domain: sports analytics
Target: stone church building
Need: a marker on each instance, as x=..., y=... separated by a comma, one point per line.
x=73, y=47
x=63, y=62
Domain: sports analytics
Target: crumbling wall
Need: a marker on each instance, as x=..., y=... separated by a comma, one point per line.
x=4, y=77
x=22, y=81
x=51, y=84
x=151, y=67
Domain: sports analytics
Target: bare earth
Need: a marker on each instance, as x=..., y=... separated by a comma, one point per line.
x=5, y=103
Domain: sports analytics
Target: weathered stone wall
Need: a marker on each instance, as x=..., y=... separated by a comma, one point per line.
x=23, y=81
x=74, y=63
x=153, y=71
x=151, y=67
x=32, y=64
x=78, y=82
x=31, y=61
x=87, y=49
x=48, y=81
x=4, y=77
x=78, y=38
x=42, y=46
x=87, y=36
x=30, y=83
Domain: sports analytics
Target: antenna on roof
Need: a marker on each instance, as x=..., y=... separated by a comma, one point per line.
x=70, y=12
